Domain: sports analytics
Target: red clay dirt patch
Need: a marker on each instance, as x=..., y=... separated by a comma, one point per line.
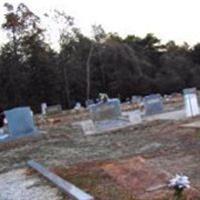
x=91, y=178
x=144, y=180
x=138, y=176
x=130, y=179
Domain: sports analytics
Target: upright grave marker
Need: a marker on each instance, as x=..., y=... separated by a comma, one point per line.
x=44, y=108
x=153, y=104
x=135, y=117
x=20, y=121
x=136, y=99
x=191, y=102
x=106, y=116
x=89, y=102
x=54, y=109
x=106, y=111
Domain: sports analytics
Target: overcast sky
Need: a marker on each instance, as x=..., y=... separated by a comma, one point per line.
x=168, y=19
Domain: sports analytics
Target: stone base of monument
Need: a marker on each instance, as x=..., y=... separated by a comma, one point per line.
x=111, y=125
x=107, y=116
x=90, y=127
x=11, y=137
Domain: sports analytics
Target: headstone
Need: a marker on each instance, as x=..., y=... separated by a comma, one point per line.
x=106, y=111
x=153, y=104
x=20, y=121
x=97, y=100
x=191, y=102
x=54, y=109
x=89, y=102
x=88, y=127
x=136, y=99
x=44, y=108
x=106, y=117
x=1, y=131
x=77, y=106
x=135, y=117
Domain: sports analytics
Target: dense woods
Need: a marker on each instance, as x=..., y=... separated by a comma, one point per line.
x=31, y=72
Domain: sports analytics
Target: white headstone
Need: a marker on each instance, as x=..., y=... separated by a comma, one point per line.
x=44, y=108
x=135, y=117
x=88, y=127
x=191, y=102
x=77, y=106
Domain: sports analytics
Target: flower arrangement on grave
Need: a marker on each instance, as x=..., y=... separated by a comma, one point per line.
x=103, y=97
x=179, y=183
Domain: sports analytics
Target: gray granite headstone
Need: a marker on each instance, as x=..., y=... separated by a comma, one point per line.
x=136, y=99
x=89, y=102
x=153, y=104
x=106, y=111
x=20, y=121
x=54, y=109
x=106, y=117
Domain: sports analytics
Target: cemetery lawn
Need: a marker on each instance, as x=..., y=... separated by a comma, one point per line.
x=110, y=166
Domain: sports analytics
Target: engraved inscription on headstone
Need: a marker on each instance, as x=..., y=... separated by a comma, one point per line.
x=191, y=102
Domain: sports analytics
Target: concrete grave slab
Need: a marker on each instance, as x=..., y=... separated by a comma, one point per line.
x=172, y=115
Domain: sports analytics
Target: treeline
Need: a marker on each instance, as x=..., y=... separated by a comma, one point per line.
x=31, y=72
